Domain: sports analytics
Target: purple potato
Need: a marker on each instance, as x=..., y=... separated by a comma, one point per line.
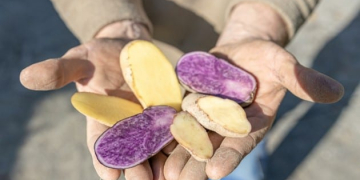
x=204, y=73
x=135, y=139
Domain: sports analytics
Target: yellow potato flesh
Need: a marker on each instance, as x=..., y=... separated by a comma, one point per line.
x=105, y=109
x=192, y=136
x=228, y=114
x=150, y=75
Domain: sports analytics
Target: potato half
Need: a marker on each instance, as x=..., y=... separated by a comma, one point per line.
x=135, y=139
x=192, y=136
x=223, y=116
x=204, y=73
x=150, y=75
x=105, y=109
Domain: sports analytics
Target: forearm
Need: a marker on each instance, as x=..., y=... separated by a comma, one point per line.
x=85, y=18
x=274, y=20
x=253, y=20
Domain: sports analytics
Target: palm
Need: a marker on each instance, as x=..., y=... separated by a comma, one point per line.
x=105, y=77
x=265, y=60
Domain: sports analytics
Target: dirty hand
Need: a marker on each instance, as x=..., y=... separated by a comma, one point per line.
x=257, y=49
x=94, y=67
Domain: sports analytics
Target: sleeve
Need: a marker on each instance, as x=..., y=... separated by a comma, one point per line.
x=86, y=17
x=294, y=12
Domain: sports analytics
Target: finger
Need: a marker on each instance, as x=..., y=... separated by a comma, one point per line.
x=169, y=148
x=56, y=73
x=228, y=156
x=175, y=163
x=193, y=170
x=178, y=159
x=215, y=139
x=94, y=130
x=139, y=172
x=232, y=150
x=157, y=165
x=309, y=84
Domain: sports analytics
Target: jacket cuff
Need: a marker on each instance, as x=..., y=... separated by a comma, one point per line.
x=86, y=17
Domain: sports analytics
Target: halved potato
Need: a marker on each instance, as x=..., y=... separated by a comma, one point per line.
x=223, y=116
x=192, y=136
x=106, y=109
x=150, y=75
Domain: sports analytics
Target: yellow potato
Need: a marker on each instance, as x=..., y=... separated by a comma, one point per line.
x=150, y=75
x=223, y=116
x=105, y=109
x=192, y=136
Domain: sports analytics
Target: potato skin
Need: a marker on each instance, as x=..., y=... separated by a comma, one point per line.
x=126, y=69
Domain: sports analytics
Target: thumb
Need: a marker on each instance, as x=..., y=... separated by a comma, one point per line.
x=56, y=73
x=310, y=85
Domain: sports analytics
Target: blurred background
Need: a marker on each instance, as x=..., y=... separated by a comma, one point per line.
x=42, y=137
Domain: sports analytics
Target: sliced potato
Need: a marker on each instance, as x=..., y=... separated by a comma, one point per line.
x=202, y=72
x=192, y=136
x=150, y=75
x=135, y=139
x=223, y=116
x=106, y=109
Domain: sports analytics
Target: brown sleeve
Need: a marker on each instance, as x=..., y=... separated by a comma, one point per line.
x=86, y=17
x=294, y=12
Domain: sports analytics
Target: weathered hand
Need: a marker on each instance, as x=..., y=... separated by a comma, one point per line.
x=94, y=67
x=253, y=40
x=276, y=71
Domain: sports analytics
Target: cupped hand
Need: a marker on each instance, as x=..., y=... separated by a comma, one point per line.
x=276, y=71
x=94, y=67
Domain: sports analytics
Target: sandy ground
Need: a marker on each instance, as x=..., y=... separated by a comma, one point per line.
x=42, y=137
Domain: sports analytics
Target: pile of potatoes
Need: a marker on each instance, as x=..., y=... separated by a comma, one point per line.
x=218, y=92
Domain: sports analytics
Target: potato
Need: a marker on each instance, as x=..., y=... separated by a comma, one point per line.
x=192, y=136
x=150, y=75
x=223, y=116
x=204, y=73
x=135, y=139
x=105, y=109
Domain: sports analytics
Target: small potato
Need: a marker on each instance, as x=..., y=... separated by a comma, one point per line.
x=105, y=109
x=223, y=116
x=192, y=136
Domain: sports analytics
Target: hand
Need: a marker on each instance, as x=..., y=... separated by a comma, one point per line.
x=276, y=71
x=94, y=67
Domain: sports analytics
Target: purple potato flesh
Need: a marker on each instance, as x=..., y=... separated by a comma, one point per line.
x=135, y=139
x=204, y=73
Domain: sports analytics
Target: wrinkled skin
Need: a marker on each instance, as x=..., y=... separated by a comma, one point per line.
x=94, y=67
x=276, y=71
